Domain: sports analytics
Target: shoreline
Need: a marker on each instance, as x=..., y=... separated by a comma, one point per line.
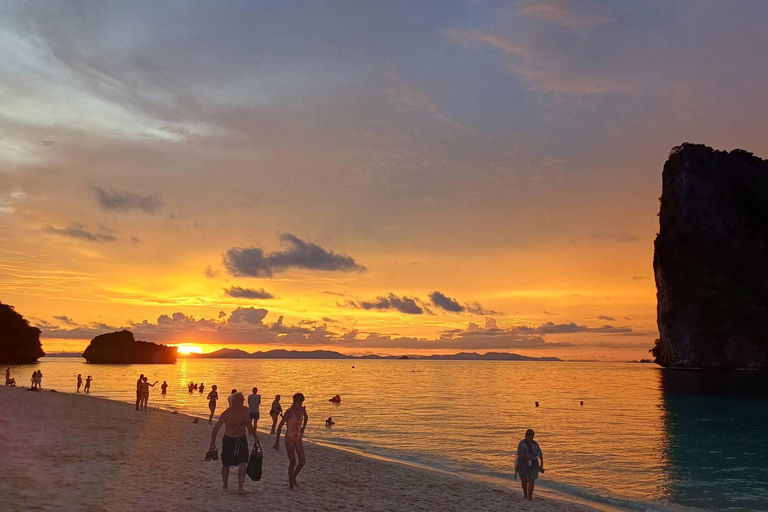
x=60, y=445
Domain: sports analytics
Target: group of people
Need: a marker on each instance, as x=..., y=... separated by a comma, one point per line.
x=36, y=380
x=238, y=419
x=88, y=380
x=192, y=386
x=142, y=392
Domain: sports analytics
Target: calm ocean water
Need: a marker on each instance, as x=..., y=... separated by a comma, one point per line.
x=644, y=438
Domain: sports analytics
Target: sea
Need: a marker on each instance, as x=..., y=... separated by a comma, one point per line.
x=644, y=439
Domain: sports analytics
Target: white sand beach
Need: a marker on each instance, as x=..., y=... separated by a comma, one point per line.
x=74, y=452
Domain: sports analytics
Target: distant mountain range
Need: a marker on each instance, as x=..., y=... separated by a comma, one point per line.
x=229, y=353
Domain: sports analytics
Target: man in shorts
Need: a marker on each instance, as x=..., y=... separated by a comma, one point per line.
x=234, y=444
x=254, y=401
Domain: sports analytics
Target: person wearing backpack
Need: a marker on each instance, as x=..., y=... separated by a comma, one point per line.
x=527, y=465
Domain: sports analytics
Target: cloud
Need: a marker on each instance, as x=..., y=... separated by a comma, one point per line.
x=563, y=13
x=252, y=262
x=446, y=303
x=65, y=319
x=567, y=328
x=404, y=304
x=248, y=293
x=402, y=94
x=548, y=312
x=606, y=318
x=442, y=301
x=125, y=201
x=76, y=230
x=469, y=38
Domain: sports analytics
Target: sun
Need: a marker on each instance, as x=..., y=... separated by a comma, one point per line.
x=189, y=349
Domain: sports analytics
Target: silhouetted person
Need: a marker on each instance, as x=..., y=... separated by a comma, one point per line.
x=144, y=387
x=581, y=403
x=295, y=420
x=229, y=398
x=275, y=411
x=254, y=401
x=212, y=397
x=163, y=388
x=138, y=392
x=88, y=384
x=202, y=388
x=234, y=444
x=527, y=464
x=537, y=404
x=329, y=422
x=8, y=376
x=79, y=382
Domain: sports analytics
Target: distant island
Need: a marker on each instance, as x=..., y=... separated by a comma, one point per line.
x=19, y=341
x=229, y=353
x=121, y=348
x=711, y=260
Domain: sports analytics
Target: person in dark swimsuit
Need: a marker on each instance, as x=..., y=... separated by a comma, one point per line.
x=212, y=397
x=275, y=411
x=164, y=388
x=234, y=444
x=79, y=382
x=295, y=420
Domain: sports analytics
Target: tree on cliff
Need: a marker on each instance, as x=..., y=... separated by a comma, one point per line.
x=19, y=341
x=711, y=260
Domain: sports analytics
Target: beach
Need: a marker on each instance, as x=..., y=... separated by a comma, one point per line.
x=75, y=452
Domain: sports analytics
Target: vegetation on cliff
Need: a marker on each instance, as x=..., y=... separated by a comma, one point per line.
x=19, y=341
x=711, y=260
x=121, y=348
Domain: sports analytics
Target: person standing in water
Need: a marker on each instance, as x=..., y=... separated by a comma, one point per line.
x=295, y=420
x=163, y=388
x=88, y=384
x=212, y=397
x=79, y=382
x=8, y=376
x=229, y=398
x=274, y=411
x=234, y=444
x=527, y=465
x=254, y=401
x=138, y=391
x=145, y=385
x=202, y=388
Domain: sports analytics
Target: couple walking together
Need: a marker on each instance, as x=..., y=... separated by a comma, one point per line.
x=234, y=445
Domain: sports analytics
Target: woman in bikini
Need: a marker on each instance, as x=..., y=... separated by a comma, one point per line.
x=275, y=411
x=144, y=388
x=234, y=444
x=212, y=397
x=295, y=420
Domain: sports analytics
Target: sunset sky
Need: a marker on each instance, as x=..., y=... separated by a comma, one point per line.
x=367, y=177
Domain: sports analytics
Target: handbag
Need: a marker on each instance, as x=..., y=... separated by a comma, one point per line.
x=255, y=461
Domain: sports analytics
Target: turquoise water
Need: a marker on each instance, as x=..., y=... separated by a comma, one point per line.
x=644, y=438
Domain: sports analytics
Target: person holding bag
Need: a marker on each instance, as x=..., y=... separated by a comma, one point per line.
x=527, y=465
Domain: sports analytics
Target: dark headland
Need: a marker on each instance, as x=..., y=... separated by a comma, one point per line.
x=121, y=348
x=711, y=260
x=19, y=341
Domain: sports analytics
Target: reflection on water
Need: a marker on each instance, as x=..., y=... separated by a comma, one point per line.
x=637, y=437
x=717, y=444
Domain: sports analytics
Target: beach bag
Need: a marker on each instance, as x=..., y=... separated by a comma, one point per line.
x=255, y=461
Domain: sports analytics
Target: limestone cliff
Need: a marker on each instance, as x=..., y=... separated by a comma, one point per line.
x=19, y=341
x=711, y=260
x=120, y=348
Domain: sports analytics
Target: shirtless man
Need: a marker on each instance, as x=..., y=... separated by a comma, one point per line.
x=295, y=420
x=79, y=382
x=234, y=444
x=138, y=391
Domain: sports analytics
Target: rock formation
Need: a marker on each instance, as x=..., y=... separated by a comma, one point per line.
x=19, y=341
x=711, y=260
x=120, y=348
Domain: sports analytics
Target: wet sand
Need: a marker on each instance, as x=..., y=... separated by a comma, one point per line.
x=75, y=452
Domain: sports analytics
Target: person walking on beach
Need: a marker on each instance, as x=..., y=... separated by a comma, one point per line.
x=163, y=388
x=254, y=401
x=274, y=411
x=212, y=397
x=295, y=420
x=145, y=385
x=234, y=444
x=527, y=464
x=79, y=382
x=138, y=391
x=88, y=384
